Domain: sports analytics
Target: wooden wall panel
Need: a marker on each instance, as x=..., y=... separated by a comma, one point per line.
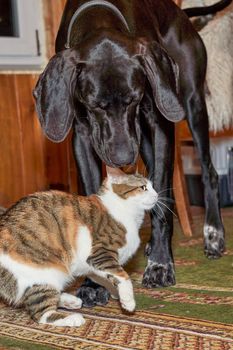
x=11, y=164
x=32, y=140
x=52, y=15
x=13, y=173
x=58, y=164
x=29, y=162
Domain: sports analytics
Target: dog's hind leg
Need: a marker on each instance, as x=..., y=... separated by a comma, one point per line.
x=213, y=229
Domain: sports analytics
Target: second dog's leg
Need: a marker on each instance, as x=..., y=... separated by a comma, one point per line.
x=90, y=177
x=213, y=229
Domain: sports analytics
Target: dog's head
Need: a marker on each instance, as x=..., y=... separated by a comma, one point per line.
x=108, y=79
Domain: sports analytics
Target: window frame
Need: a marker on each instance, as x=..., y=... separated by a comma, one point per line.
x=25, y=51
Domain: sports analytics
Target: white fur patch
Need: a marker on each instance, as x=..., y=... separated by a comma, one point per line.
x=27, y=276
x=217, y=36
x=125, y=214
x=79, y=265
x=45, y=315
x=209, y=229
x=69, y=301
x=126, y=295
x=73, y=320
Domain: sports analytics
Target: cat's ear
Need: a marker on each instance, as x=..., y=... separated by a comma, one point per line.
x=130, y=169
x=114, y=172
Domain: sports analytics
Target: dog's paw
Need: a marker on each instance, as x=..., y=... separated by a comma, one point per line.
x=102, y=296
x=92, y=296
x=159, y=275
x=214, y=243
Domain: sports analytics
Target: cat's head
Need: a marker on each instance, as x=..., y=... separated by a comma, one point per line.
x=133, y=188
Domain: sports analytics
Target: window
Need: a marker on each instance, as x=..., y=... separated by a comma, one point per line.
x=21, y=34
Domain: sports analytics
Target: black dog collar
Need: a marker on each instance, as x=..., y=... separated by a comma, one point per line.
x=86, y=6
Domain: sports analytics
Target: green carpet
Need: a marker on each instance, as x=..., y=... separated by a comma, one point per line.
x=204, y=287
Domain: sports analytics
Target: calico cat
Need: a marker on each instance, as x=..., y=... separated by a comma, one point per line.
x=49, y=238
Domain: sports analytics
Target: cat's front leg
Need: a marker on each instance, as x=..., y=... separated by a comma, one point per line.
x=126, y=294
x=103, y=281
x=109, y=269
x=123, y=284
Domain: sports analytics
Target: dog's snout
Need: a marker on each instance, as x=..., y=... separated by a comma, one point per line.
x=122, y=158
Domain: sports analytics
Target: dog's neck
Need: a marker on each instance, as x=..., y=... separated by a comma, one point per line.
x=90, y=4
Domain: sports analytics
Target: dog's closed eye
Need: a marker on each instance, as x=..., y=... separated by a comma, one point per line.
x=128, y=101
x=102, y=105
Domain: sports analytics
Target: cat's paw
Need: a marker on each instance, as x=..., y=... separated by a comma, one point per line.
x=60, y=319
x=128, y=305
x=69, y=301
x=73, y=320
x=126, y=295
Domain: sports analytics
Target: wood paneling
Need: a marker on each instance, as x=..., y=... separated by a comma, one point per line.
x=52, y=16
x=22, y=167
x=11, y=164
x=32, y=140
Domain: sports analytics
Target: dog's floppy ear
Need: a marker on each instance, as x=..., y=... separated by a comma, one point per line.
x=163, y=75
x=54, y=93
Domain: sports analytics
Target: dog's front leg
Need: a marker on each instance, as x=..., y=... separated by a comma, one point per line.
x=160, y=269
x=89, y=178
x=88, y=163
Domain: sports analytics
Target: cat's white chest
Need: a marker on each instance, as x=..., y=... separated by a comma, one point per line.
x=131, y=219
x=79, y=265
x=132, y=244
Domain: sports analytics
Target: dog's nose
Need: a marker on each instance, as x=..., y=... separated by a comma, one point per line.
x=120, y=159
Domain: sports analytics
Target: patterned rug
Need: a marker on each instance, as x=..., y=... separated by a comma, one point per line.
x=195, y=314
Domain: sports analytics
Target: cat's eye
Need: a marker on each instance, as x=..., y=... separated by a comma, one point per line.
x=143, y=188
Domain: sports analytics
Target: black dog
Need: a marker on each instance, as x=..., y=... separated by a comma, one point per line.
x=124, y=72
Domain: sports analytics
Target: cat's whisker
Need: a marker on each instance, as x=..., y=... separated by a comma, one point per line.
x=151, y=175
x=166, y=199
x=157, y=214
x=166, y=189
x=167, y=208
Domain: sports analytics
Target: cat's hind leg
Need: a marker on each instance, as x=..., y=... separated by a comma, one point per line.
x=42, y=301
